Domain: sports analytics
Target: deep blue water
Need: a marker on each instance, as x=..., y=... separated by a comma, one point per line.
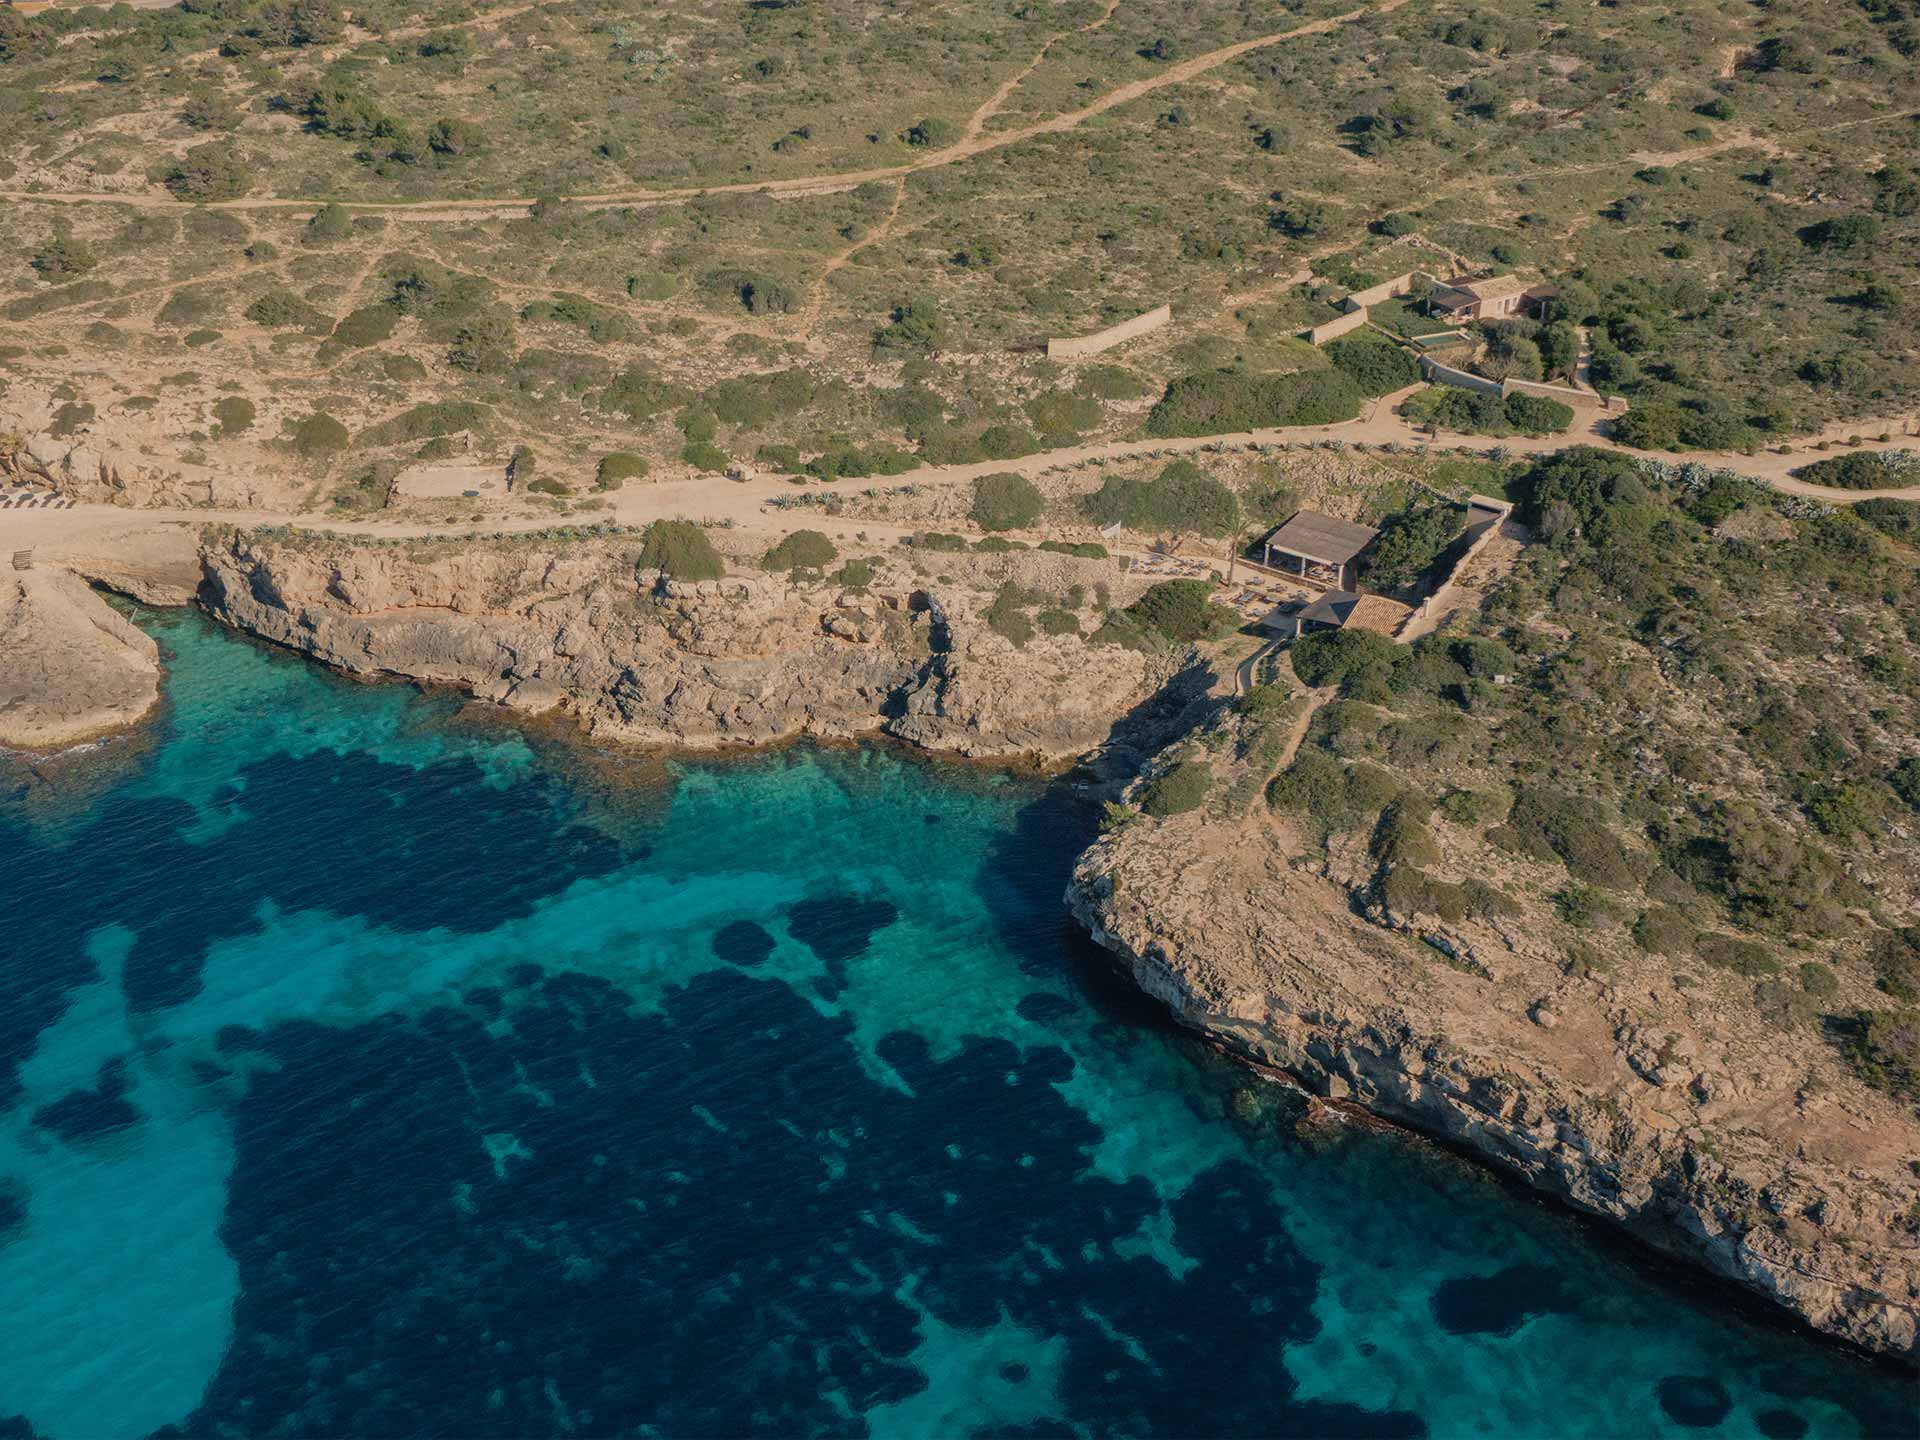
x=369, y=1070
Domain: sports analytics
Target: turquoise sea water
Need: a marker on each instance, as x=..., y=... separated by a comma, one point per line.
x=367, y=1070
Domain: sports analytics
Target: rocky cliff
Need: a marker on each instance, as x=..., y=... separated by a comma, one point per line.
x=71, y=667
x=1669, y=1113
x=751, y=659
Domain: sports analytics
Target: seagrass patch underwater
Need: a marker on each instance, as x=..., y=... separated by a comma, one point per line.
x=367, y=1072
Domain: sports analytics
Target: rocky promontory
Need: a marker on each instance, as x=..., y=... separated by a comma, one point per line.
x=752, y=658
x=1672, y=1113
x=71, y=667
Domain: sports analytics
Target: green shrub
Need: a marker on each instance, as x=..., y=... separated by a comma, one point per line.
x=1862, y=470
x=705, y=456
x=1005, y=501
x=318, y=436
x=1007, y=616
x=855, y=574
x=916, y=325
x=617, y=468
x=1895, y=957
x=1055, y=621
x=1181, y=610
x=932, y=134
x=64, y=257
x=1730, y=952
x=284, y=310
x=546, y=485
x=214, y=171
x=1182, y=499
x=1061, y=412
x=681, y=550
x=1375, y=364
x=802, y=550
x=1412, y=543
x=426, y=420
x=1341, y=657
x=1179, y=790
x=369, y=325
x=939, y=540
x=1884, y=1049
x=1085, y=550
x=1663, y=930
x=1219, y=402
x=1549, y=824
x=232, y=414
x=1110, y=382
x=196, y=339
x=329, y=225
x=1899, y=519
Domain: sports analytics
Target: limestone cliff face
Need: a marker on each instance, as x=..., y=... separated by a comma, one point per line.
x=747, y=660
x=71, y=667
x=1720, y=1144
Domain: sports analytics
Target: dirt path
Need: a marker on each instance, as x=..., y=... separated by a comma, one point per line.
x=747, y=505
x=975, y=142
x=977, y=123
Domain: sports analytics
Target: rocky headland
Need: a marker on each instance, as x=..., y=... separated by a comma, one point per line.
x=71, y=667
x=1674, y=1113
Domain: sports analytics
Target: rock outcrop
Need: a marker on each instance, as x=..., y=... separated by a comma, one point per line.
x=1668, y=1114
x=98, y=472
x=71, y=667
x=751, y=659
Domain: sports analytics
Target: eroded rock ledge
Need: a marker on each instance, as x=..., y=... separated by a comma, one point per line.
x=752, y=659
x=1707, y=1143
x=71, y=667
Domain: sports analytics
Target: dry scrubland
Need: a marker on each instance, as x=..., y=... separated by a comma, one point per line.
x=1723, y=190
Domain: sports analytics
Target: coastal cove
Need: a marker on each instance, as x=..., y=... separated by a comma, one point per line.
x=368, y=1067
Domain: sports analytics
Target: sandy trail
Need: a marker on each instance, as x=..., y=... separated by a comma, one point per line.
x=748, y=505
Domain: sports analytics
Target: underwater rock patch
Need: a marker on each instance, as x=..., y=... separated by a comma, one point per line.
x=1500, y=1303
x=91, y=1113
x=742, y=943
x=1695, y=1401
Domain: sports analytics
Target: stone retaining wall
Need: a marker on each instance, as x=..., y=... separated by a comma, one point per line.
x=1075, y=348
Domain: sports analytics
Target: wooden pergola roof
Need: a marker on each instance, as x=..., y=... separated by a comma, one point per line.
x=1321, y=537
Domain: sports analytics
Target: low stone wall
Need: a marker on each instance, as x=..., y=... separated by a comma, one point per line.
x=1386, y=289
x=1075, y=348
x=1334, y=329
x=1437, y=374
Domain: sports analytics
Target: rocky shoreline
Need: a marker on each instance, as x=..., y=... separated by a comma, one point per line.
x=636, y=657
x=1475, y=1036
x=1267, y=960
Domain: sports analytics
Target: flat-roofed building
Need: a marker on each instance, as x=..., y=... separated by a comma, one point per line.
x=1322, y=548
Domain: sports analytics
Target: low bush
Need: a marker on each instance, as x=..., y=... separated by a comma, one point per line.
x=1181, y=499
x=1180, y=610
x=1217, y=402
x=1730, y=952
x=426, y=420
x=617, y=468
x=284, y=310
x=369, y=325
x=1005, y=501
x=1548, y=824
x=318, y=436
x=705, y=457
x=802, y=550
x=1884, y=1049
x=1374, y=363
x=681, y=550
x=1007, y=615
x=1179, y=790
x=1862, y=470
x=232, y=414
x=855, y=574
